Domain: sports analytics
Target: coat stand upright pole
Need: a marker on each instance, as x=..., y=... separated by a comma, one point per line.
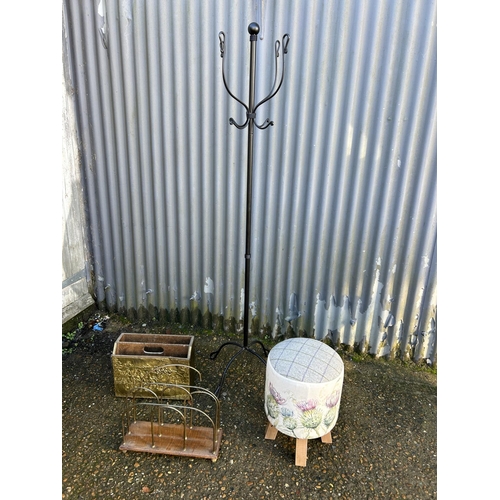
x=253, y=30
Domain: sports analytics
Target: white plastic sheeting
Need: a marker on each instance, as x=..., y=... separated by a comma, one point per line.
x=344, y=206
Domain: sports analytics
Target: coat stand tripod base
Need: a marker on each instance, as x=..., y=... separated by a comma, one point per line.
x=251, y=108
x=241, y=350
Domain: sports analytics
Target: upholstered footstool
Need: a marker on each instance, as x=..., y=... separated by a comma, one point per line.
x=304, y=380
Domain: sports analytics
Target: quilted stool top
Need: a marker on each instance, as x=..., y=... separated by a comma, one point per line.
x=306, y=360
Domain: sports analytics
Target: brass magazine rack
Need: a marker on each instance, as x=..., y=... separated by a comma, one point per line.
x=188, y=426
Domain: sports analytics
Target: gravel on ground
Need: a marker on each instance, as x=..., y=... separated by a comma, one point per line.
x=384, y=443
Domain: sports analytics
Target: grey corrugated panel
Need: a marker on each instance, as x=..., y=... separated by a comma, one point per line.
x=344, y=207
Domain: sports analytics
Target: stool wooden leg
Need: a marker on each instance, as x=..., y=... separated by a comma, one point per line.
x=327, y=438
x=301, y=452
x=271, y=432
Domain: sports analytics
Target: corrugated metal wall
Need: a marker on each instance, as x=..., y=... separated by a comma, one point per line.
x=344, y=206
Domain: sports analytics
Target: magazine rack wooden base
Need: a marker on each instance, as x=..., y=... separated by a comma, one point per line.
x=169, y=439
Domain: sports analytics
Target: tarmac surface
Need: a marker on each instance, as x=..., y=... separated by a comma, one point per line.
x=384, y=445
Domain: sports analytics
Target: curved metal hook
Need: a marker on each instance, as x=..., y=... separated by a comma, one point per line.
x=232, y=122
x=267, y=123
x=285, y=43
x=222, y=42
x=286, y=39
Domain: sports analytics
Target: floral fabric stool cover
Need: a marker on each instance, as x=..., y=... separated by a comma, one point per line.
x=304, y=380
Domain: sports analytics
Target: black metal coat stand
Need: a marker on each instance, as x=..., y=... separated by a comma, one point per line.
x=251, y=108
